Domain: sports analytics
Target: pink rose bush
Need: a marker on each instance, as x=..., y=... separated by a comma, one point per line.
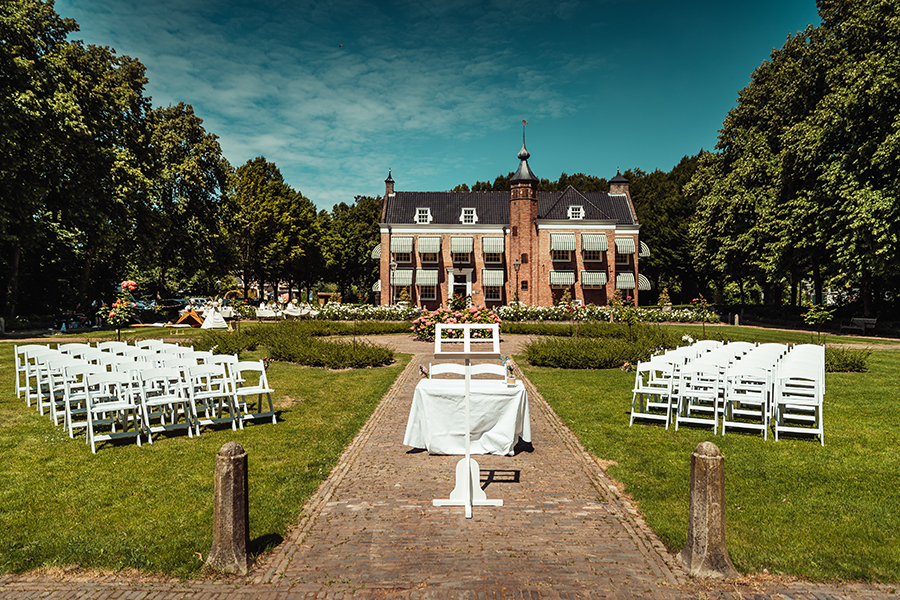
x=423, y=327
x=121, y=310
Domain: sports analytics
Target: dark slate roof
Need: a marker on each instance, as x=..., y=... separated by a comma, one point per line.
x=492, y=208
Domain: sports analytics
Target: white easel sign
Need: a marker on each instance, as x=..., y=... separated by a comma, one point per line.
x=467, y=492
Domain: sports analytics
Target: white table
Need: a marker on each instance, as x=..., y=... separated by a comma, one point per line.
x=499, y=416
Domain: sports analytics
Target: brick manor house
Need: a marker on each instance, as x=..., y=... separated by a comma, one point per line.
x=497, y=246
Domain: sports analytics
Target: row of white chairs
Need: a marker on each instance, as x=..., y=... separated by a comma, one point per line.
x=749, y=386
x=115, y=390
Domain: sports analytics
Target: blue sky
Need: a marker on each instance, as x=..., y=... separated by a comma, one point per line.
x=335, y=92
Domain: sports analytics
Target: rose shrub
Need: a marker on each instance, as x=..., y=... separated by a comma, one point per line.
x=423, y=327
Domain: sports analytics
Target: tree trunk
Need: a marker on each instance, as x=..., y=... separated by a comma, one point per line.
x=12, y=282
x=795, y=286
x=865, y=289
x=86, y=275
x=817, y=283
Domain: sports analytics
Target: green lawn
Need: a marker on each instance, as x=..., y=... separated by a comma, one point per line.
x=150, y=508
x=793, y=507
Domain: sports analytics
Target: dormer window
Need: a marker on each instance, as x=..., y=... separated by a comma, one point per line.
x=423, y=216
x=468, y=216
x=576, y=212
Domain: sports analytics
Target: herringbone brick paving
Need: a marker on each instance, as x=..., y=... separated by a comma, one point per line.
x=371, y=531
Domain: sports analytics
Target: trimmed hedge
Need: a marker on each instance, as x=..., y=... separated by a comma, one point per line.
x=607, y=352
x=340, y=354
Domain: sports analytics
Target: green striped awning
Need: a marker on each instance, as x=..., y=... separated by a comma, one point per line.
x=593, y=242
x=426, y=276
x=562, y=241
x=492, y=244
x=625, y=245
x=377, y=286
x=645, y=250
x=376, y=252
x=402, y=277
x=402, y=243
x=461, y=244
x=493, y=277
x=429, y=244
x=593, y=278
x=562, y=278
x=643, y=283
x=624, y=281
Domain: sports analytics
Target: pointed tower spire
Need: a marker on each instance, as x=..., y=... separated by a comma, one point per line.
x=523, y=174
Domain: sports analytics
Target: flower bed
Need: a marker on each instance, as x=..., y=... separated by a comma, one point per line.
x=591, y=312
x=423, y=327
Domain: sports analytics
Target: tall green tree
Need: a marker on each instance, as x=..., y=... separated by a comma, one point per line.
x=272, y=226
x=804, y=179
x=353, y=232
x=37, y=112
x=182, y=220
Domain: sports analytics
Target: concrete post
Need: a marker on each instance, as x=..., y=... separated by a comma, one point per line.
x=737, y=319
x=705, y=554
x=231, y=513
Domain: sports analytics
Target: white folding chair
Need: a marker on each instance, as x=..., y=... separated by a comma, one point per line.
x=110, y=402
x=747, y=398
x=651, y=397
x=249, y=379
x=799, y=398
x=113, y=347
x=75, y=349
x=23, y=354
x=155, y=345
x=41, y=373
x=445, y=368
x=706, y=345
x=33, y=373
x=56, y=372
x=212, y=389
x=75, y=396
x=488, y=369
x=699, y=384
x=165, y=399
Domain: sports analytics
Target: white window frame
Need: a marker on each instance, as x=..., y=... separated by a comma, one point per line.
x=429, y=257
x=576, y=212
x=593, y=255
x=468, y=216
x=461, y=258
x=423, y=212
x=402, y=257
x=623, y=259
x=493, y=257
x=557, y=255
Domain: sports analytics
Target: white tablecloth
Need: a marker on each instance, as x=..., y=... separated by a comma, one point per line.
x=499, y=416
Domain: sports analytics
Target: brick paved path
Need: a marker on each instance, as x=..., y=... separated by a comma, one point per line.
x=371, y=530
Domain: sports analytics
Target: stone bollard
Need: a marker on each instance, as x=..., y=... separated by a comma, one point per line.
x=737, y=320
x=231, y=513
x=705, y=553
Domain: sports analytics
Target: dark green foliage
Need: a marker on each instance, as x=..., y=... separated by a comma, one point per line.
x=226, y=342
x=846, y=360
x=264, y=334
x=349, y=354
x=599, y=352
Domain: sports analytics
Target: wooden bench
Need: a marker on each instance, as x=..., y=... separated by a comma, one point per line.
x=860, y=325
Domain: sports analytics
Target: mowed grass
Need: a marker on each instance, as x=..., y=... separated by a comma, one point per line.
x=151, y=508
x=793, y=506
